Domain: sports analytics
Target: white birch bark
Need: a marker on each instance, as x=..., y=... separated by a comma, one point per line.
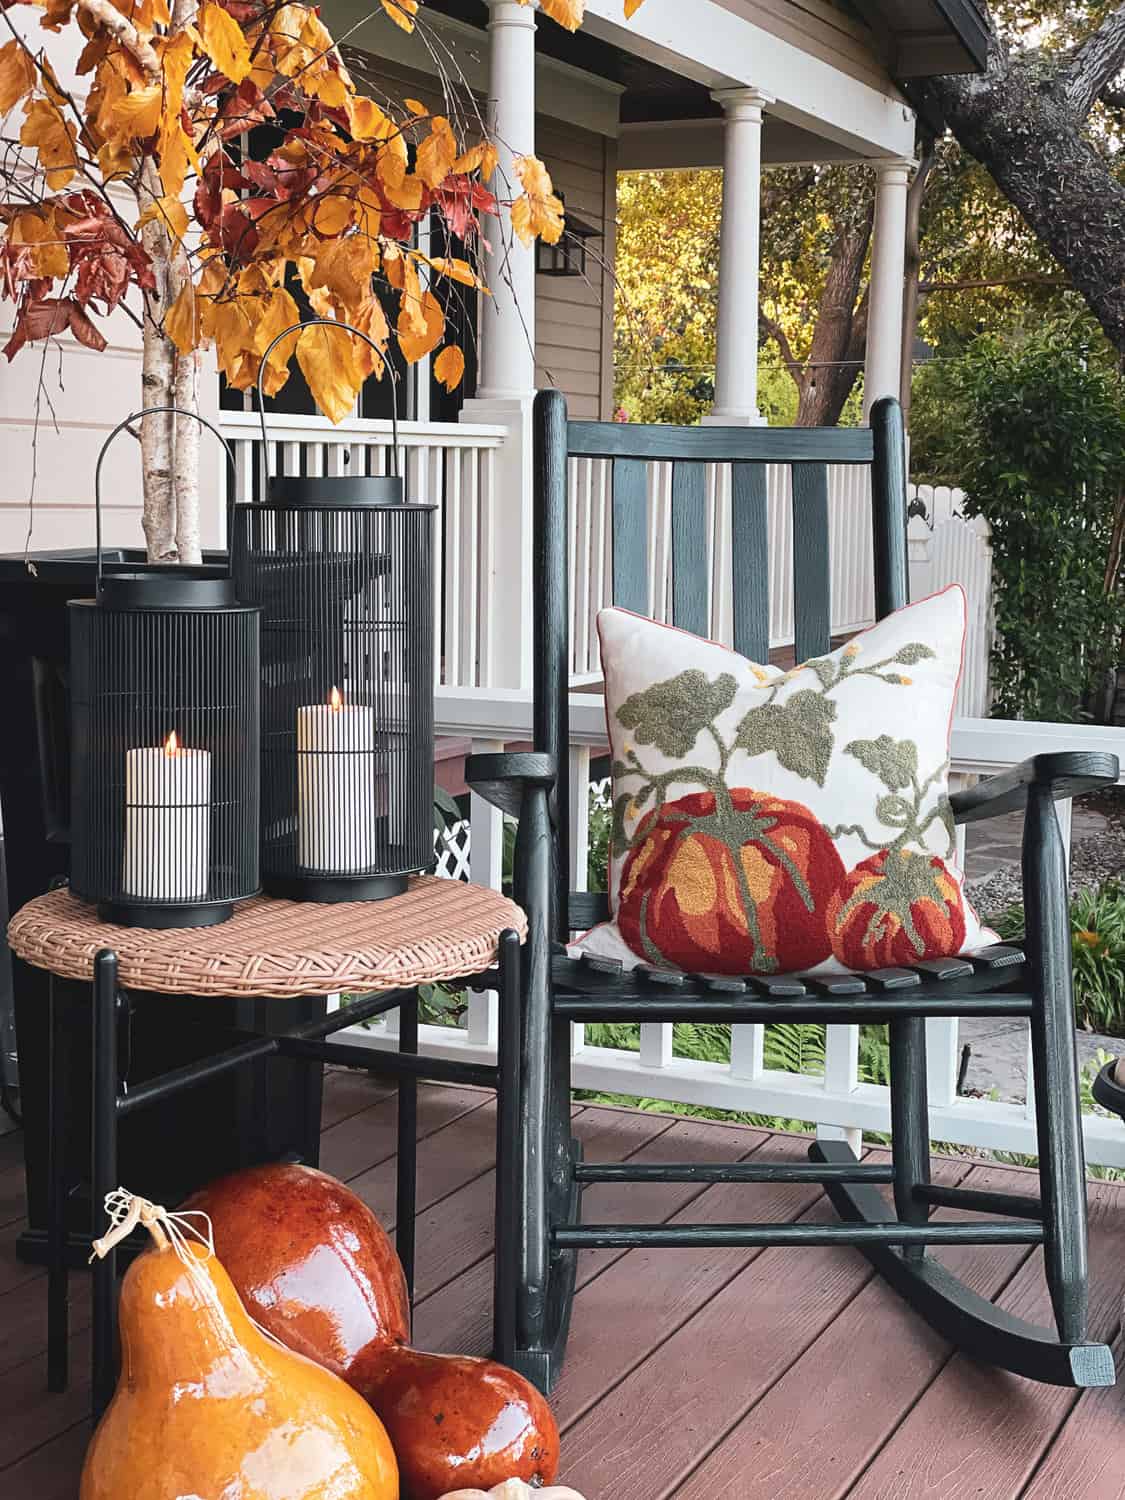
x=186, y=460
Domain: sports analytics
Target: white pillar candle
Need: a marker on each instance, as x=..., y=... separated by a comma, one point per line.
x=167, y=823
x=336, y=786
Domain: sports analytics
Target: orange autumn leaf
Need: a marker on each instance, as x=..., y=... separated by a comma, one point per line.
x=484, y=157
x=449, y=366
x=632, y=7
x=170, y=213
x=183, y=322
x=53, y=137
x=401, y=12
x=278, y=311
x=371, y=320
x=138, y=115
x=328, y=362
x=456, y=270
x=17, y=75
x=366, y=121
x=406, y=194
x=222, y=38
x=416, y=107
x=413, y=344
x=568, y=13
x=537, y=211
x=392, y=161
x=437, y=153
x=38, y=228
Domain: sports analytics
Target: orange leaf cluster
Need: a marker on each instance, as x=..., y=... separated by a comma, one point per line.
x=331, y=211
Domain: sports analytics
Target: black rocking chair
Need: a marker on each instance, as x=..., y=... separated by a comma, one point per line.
x=1032, y=981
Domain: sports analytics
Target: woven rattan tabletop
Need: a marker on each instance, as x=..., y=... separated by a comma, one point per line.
x=437, y=929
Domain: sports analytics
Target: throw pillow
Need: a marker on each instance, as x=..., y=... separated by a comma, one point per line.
x=769, y=821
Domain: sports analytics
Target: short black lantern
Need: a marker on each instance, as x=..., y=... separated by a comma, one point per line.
x=342, y=570
x=567, y=256
x=164, y=757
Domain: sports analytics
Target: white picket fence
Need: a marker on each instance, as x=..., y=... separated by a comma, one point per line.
x=946, y=546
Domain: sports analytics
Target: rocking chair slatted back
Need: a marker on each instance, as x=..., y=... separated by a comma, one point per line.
x=630, y=449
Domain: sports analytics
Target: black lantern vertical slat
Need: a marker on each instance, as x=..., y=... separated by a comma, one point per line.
x=342, y=570
x=165, y=742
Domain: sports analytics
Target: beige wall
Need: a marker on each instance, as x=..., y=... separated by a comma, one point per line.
x=574, y=317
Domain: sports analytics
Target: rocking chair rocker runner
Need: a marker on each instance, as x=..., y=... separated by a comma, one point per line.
x=1033, y=981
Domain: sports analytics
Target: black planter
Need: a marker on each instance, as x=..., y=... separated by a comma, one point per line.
x=258, y=1113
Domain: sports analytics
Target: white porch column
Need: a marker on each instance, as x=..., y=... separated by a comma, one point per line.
x=507, y=355
x=883, y=367
x=506, y=371
x=736, y=355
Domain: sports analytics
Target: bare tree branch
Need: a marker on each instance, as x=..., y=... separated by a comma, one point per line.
x=1095, y=63
x=773, y=329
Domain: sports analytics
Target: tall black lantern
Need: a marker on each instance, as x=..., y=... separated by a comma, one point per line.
x=342, y=570
x=164, y=757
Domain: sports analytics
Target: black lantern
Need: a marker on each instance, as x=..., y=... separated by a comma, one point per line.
x=567, y=256
x=164, y=757
x=342, y=570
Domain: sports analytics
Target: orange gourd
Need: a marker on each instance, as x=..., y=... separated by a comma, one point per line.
x=207, y=1405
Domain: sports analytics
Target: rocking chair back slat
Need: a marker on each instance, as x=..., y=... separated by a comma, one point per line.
x=630, y=534
x=744, y=453
x=750, y=564
x=812, y=599
x=689, y=547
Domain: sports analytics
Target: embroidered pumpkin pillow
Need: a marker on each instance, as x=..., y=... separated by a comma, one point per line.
x=767, y=821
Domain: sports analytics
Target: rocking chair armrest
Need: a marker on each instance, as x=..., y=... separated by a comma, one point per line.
x=503, y=778
x=1064, y=773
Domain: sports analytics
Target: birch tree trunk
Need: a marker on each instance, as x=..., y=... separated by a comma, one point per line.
x=186, y=463
x=158, y=372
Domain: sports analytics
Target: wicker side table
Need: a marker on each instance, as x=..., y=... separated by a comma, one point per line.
x=437, y=930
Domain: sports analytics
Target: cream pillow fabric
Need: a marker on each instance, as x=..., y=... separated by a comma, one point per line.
x=767, y=821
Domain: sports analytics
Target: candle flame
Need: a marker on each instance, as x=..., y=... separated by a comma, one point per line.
x=172, y=745
x=336, y=699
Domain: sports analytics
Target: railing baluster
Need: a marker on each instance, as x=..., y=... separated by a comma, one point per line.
x=470, y=568
x=747, y=1051
x=578, y=770
x=454, y=581
x=486, y=867
x=487, y=580
x=841, y=1075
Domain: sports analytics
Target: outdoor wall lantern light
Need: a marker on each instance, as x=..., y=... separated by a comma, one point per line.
x=567, y=257
x=164, y=757
x=342, y=570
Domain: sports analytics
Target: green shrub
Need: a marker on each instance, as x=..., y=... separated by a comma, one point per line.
x=1043, y=460
x=1097, y=930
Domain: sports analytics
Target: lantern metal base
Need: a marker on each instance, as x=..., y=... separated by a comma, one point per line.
x=328, y=888
x=190, y=914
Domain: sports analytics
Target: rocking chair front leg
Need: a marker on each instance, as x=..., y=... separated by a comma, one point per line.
x=1058, y=1111
x=910, y=1123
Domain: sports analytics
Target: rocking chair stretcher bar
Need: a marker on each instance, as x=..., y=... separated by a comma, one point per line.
x=1004, y=981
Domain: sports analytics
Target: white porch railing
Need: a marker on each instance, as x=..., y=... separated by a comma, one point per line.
x=455, y=465
x=838, y=1102
x=451, y=465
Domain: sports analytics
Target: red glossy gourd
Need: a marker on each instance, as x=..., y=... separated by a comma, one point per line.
x=458, y=1422
x=311, y=1262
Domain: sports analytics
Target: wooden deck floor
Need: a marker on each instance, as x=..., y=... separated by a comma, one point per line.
x=709, y=1375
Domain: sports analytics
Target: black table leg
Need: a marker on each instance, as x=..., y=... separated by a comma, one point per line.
x=58, y=1090
x=407, y=1145
x=103, y=1176
x=506, y=1247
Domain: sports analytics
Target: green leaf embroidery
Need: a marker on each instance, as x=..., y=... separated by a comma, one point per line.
x=797, y=731
x=913, y=652
x=825, y=670
x=894, y=811
x=672, y=714
x=895, y=762
x=618, y=838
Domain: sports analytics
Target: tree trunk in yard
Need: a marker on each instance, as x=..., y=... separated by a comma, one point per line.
x=1024, y=119
x=825, y=378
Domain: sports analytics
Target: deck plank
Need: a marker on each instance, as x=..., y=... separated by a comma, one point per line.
x=1086, y=1457
x=814, y=1449
x=347, y=1092
x=699, y=1375
x=978, y=1431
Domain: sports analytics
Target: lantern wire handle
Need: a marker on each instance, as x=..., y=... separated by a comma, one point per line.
x=348, y=328
x=136, y=416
